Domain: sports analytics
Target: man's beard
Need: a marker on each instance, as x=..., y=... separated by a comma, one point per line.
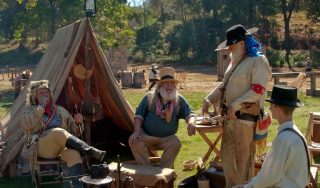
x=168, y=96
x=235, y=56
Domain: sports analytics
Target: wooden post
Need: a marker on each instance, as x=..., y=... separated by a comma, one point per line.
x=313, y=79
x=13, y=168
x=276, y=80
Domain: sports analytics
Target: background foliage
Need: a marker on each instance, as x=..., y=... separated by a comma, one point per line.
x=165, y=31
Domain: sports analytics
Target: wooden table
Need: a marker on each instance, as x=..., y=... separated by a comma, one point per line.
x=203, y=130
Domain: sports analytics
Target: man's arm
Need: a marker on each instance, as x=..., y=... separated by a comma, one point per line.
x=187, y=114
x=261, y=73
x=31, y=118
x=138, y=119
x=213, y=98
x=135, y=136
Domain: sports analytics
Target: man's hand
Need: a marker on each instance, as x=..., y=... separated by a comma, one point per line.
x=43, y=101
x=231, y=113
x=191, y=129
x=134, y=138
x=205, y=107
x=78, y=118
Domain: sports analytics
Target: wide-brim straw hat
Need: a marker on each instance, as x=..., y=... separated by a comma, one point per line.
x=167, y=74
x=91, y=181
x=236, y=34
x=285, y=96
x=81, y=72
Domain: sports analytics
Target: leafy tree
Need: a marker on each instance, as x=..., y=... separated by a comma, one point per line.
x=313, y=9
x=112, y=24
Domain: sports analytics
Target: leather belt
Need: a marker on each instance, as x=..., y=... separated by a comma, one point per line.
x=246, y=116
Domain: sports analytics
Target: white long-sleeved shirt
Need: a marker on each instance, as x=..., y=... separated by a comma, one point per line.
x=253, y=70
x=286, y=164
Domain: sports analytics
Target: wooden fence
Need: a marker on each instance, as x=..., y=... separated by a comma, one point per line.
x=13, y=72
x=313, y=80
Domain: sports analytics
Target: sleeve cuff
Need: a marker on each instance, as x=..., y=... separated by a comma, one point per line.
x=138, y=116
x=189, y=116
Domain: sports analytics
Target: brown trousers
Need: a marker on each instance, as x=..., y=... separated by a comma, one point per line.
x=170, y=145
x=237, y=151
x=52, y=144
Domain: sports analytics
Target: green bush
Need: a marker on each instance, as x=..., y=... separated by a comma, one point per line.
x=138, y=57
x=273, y=57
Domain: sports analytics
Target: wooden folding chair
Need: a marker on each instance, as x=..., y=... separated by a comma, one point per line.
x=46, y=167
x=181, y=77
x=299, y=80
x=313, y=141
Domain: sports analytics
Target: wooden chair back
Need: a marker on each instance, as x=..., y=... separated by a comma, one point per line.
x=181, y=77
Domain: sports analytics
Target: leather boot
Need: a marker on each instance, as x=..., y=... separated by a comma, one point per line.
x=76, y=171
x=79, y=145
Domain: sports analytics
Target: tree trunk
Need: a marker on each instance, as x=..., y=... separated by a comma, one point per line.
x=23, y=41
x=162, y=14
x=287, y=9
x=52, y=24
x=183, y=19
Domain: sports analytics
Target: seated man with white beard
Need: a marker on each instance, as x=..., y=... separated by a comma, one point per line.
x=156, y=121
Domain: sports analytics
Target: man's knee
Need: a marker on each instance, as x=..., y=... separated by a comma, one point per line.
x=137, y=146
x=71, y=157
x=175, y=143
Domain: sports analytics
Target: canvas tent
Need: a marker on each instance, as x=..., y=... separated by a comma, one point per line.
x=70, y=47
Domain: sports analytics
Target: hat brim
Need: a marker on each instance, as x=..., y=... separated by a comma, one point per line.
x=223, y=45
x=167, y=80
x=89, y=180
x=285, y=103
x=155, y=67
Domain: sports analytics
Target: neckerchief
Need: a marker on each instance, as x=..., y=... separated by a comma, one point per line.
x=47, y=119
x=164, y=110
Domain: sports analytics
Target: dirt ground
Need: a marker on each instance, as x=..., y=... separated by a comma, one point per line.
x=200, y=78
x=204, y=78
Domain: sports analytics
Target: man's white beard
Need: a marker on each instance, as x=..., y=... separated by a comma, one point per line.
x=235, y=56
x=168, y=96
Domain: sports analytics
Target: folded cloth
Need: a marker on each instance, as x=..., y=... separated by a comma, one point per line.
x=147, y=176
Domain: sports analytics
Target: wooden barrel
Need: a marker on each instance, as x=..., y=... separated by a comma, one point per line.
x=126, y=79
x=139, y=80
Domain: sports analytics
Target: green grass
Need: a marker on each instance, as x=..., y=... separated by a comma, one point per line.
x=192, y=147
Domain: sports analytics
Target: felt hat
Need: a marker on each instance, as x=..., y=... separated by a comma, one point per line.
x=236, y=34
x=167, y=74
x=285, y=96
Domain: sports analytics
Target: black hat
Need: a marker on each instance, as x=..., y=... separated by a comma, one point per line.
x=285, y=96
x=236, y=34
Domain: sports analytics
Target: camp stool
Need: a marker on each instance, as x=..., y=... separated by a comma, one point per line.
x=44, y=168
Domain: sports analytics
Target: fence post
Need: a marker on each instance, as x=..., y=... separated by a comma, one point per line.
x=313, y=88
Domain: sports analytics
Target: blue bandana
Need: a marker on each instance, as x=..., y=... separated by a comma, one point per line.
x=252, y=46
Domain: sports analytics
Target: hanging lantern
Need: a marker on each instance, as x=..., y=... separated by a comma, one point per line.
x=90, y=8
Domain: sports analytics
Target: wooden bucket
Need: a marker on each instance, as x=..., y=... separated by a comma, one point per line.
x=139, y=80
x=126, y=79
